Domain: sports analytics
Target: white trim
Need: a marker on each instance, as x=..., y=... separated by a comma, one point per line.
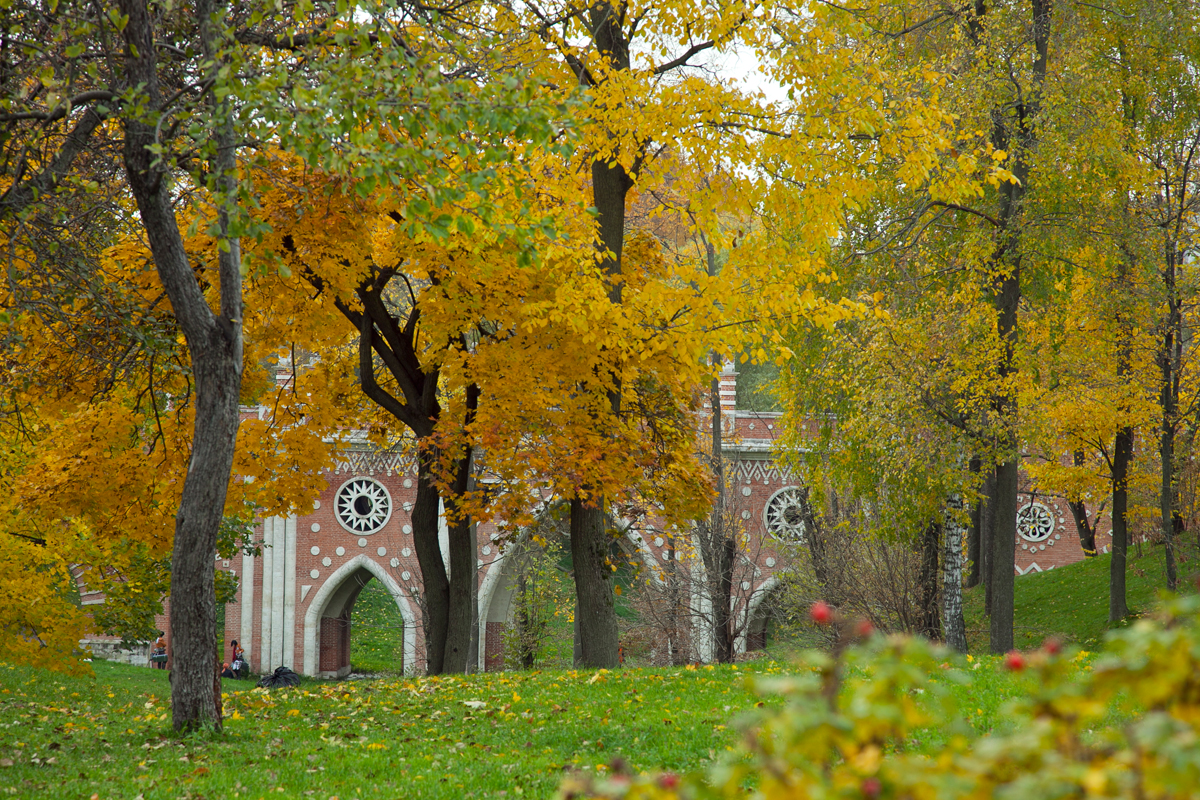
x=312, y=617
x=246, y=636
x=487, y=591
x=289, y=596
x=278, y=587
x=268, y=562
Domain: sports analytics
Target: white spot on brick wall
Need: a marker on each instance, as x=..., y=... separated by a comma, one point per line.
x=314, y=574
x=316, y=551
x=341, y=551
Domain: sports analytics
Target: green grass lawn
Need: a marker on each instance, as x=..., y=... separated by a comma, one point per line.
x=1072, y=602
x=464, y=736
x=495, y=735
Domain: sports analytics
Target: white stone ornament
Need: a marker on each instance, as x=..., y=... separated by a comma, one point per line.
x=316, y=551
x=316, y=527
x=784, y=514
x=382, y=551
x=316, y=504
x=327, y=561
x=316, y=573
x=362, y=505
x=362, y=542
x=406, y=552
x=395, y=562
x=405, y=575
x=1035, y=523
x=341, y=551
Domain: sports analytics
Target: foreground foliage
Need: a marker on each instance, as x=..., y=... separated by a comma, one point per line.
x=855, y=740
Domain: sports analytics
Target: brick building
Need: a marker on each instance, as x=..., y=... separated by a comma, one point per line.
x=294, y=600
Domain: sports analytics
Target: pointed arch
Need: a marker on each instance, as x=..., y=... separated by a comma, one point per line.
x=330, y=590
x=756, y=599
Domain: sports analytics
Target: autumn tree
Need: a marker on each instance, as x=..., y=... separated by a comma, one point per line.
x=172, y=94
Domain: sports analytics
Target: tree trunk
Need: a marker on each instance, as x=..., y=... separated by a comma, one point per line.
x=1118, y=609
x=1083, y=526
x=1169, y=358
x=927, y=583
x=434, y=585
x=595, y=603
x=215, y=345
x=987, y=535
x=952, y=576
x=463, y=569
x=717, y=544
x=974, y=536
x=1014, y=128
x=1002, y=558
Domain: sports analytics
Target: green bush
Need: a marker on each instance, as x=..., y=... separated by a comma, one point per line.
x=1125, y=727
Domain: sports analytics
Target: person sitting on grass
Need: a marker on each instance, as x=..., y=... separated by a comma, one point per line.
x=158, y=653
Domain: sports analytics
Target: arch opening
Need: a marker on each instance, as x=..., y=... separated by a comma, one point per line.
x=328, y=622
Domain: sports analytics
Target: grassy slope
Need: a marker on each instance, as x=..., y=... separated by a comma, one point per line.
x=1072, y=602
x=376, y=632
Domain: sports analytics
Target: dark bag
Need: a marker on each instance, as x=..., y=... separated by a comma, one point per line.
x=282, y=676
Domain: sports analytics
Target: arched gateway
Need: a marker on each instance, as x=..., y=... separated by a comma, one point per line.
x=294, y=600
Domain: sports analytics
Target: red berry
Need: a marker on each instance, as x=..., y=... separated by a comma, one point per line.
x=821, y=613
x=668, y=780
x=1052, y=645
x=864, y=628
x=1014, y=660
x=871, y=788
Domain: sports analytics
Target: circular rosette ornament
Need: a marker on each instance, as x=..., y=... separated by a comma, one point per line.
x=1035, y=522
x=785, y=514
x=363, y=505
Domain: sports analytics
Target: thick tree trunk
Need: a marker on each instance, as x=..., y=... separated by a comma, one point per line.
x=1118, y=608
x=952, y=576
x=1002, y=558
x=927, y=584
x=215, y=345
x=463, y=570
x=434, y=585
x=595, y=602
x=1014, y=129
x=1169, y=358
